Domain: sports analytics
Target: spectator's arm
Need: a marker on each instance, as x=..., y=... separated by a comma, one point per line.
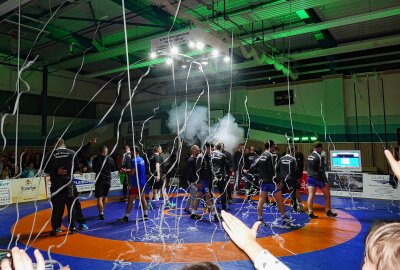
x=245, y=239
x=395, y=165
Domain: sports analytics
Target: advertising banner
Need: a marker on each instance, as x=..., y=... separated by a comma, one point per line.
x=346, y=184
x=115, y=181
x=5, y=192
x=84, y=182
x=362, y=185
x=28, y=189
x=378, y=187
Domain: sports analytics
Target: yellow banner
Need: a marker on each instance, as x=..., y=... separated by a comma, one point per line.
x=28, y=189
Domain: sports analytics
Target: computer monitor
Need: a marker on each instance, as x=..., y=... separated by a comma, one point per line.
x=346, y=160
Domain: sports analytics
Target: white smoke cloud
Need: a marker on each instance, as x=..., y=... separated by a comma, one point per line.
x=226, y=130
x=196, y=128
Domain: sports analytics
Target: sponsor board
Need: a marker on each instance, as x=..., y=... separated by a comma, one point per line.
x=115, y=181
x=5, y=192
x=85, y=182
x=362, y=185
x=28, y=189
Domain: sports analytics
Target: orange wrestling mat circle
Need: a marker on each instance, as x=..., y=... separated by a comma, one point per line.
x=318, y=234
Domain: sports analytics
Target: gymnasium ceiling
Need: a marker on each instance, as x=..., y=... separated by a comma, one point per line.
x=319, y=37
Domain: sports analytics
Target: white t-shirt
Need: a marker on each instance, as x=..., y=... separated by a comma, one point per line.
x=266, y=260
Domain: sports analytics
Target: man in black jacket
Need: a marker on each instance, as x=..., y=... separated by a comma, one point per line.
x=61, y=164
x=205, y=182
x=251, y=183
x=220, y=165
x=238, y=159
x=266, y=172
x=317, y=178
x=103, y=166
x=287, y=172
x=230, y=168
x=126, y=165
x=191, y=177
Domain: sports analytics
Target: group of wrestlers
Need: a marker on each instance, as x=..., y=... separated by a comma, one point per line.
x=209, y=167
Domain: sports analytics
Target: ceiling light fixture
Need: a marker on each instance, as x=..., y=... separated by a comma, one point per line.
x=153, y=55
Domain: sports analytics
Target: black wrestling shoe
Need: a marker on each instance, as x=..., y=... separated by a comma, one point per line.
x=187, y=211
x=145, y=217
x=124, y=219
x=195, y=217
x=73, y=230
x=329, y=213
x=217, y=218
x=101, y=217
x=55, y=232
x=262, y=223
x=311, y=215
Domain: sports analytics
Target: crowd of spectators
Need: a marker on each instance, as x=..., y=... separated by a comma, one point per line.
x=29, y=162
x=27, y=165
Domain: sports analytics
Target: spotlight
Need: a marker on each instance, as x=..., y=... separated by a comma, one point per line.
x=169, y=61
x=184, y=66
x=226, y=59
x=199, y=46
x=191, y=44
x=215, y=53
x=174, y=50
x=153, y=55
x=204, y=62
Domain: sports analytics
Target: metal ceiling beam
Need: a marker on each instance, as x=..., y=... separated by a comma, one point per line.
x=57, y=34
x=270, y=12
x=110, y=21
x=359, y=46
x=326, y=39
x=156, y=14
x=142, y=64
x=369, y=16
x=144, y=43
x=347, y=48
x=277, y=10
x=60, y=35
x=366, y=45
x=135, y=45
x=11, y=6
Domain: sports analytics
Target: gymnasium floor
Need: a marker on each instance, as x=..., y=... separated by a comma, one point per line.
x=324, y=243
